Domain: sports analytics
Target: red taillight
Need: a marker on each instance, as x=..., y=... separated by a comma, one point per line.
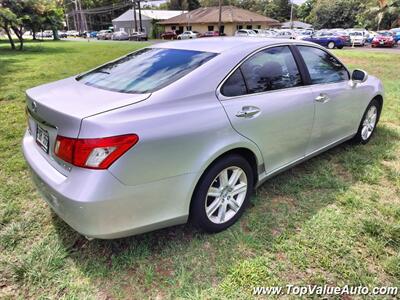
x=93, y=153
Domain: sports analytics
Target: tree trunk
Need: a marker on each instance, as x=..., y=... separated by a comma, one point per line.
x=18, y=32
x=7, y=30
x=55, y=35
x=34, y=34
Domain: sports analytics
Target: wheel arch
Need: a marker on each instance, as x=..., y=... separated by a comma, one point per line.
x=251, y=157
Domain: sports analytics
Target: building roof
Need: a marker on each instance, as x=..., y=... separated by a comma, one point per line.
x=296, y=24
x=223, y=44
x=230, y=14
x=148, y=14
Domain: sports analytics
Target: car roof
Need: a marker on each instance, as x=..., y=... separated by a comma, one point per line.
x=222, y=44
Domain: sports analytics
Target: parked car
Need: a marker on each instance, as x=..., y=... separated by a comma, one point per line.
x=327, y=39
x=169, y=35
x=62, y=34
x=246, y=32
x=138, y=36
x=383, y=39
x=104, y=34
x=189, y=35
x=264, y=33
x=138, y=144
x=286, y=34
x=210, y=34
x=45, y=34
x=300, y=35
x=73, y=33
x=120, y=36
x=357, y=38
x=396, y=34
x=344, y=36
x=93, y=34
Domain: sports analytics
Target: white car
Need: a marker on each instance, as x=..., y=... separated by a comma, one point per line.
x=357, y=38
x=72, y=33
x=188, y=35
x=264, y=33
x=246, y=32
x=286, y=34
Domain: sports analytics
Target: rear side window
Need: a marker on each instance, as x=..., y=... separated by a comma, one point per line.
x=271, y=69
x=234, y=85
x=146, y=70
x=267, y=70
x=323, y=67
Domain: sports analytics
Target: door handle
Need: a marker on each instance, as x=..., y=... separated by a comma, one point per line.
x=248, y=112
x=322, y=98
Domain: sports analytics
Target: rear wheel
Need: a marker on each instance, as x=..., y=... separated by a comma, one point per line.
x=222, y=194
x=331, y=45
x=340, y=47
x=368, y=123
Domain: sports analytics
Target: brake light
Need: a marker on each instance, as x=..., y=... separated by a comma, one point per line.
x=93, y=153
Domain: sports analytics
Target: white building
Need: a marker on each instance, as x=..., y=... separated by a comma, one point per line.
x=125, y=22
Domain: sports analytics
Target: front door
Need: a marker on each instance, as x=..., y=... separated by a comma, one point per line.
x=266, y=101
x=334, y=98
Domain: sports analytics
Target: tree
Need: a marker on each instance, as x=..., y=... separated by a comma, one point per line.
x=379, y=14
x=335, y=13
x=304, y=10
x=278, y=9
x=7, y=18
x=12, y=16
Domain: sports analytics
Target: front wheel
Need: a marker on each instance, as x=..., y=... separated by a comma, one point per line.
x=331, y=45
x=340, y=47
x=368, y=123
x=222, y=194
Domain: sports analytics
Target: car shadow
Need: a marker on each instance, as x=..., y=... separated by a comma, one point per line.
x=306, y=188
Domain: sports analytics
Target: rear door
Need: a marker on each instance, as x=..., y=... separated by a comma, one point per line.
x=335, y=99
x=267, y=102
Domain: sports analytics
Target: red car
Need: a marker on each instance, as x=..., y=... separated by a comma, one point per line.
x=169, y=35
x=210, y=34
x=383, y=39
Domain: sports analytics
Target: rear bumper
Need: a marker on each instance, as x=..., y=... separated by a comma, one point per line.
x=96, y=204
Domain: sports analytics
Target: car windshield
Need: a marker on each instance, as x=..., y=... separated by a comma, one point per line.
x=384, y=33
x=146, y=70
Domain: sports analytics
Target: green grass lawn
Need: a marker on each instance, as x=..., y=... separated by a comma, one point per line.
x=333, y=220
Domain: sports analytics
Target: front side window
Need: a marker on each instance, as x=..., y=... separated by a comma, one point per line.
x=146, y=70
x=323, y=67
x=271, y=69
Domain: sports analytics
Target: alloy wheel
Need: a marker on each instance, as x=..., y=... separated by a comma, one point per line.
x=369, y=123
x=226, y=195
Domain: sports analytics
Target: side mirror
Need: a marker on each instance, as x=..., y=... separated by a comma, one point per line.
x=359, y=76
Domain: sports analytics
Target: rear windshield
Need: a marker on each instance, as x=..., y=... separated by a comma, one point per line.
x=146, y=70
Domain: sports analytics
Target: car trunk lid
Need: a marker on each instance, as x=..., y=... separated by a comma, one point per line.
x=58, y=109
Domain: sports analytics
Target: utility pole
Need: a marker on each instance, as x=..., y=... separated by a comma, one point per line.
x=291, y=15
x=76, y=19
x=66, y=19
x=134, y=14
x=140, y=17
x=220, y=18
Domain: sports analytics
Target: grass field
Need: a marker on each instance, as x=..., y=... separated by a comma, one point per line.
x=333, y=220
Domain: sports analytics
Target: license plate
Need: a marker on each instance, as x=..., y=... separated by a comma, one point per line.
x=381, y=42
x=42, y=138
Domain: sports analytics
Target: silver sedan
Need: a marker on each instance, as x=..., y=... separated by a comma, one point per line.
x=187, y=130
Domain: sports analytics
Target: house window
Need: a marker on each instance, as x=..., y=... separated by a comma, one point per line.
x=249, y=27
x=189, y=28
x=258, y=26
x=210, y=27
x=222, y=29
x=173, y=28
x=238, y=27
x=180, y=29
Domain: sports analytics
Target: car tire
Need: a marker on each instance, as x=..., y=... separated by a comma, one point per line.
x=340, y=47
x=368, y=123
x=217, y=203
x=331, y=45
